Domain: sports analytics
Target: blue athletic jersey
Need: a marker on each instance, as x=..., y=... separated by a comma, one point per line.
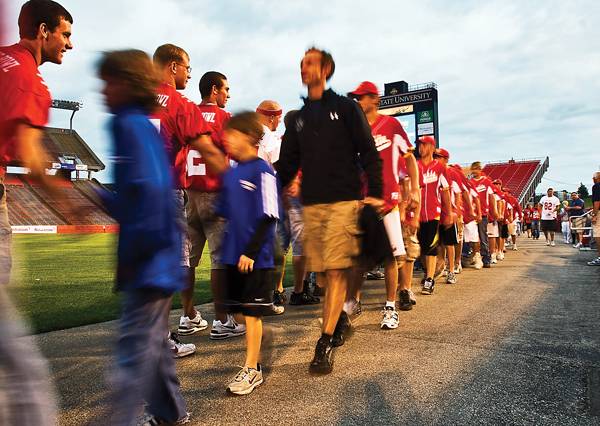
x=248, y=196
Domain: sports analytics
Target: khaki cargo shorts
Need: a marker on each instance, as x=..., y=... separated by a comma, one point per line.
x=411, y=244
x=204, y=226
x=331, y=235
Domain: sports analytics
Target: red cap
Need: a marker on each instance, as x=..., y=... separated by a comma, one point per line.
x=365, y=88
x=427, y=139
x=441, y=152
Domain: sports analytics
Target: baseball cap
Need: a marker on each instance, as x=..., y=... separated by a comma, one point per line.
x=441, y=152
x=427, y=140
x=365, y=88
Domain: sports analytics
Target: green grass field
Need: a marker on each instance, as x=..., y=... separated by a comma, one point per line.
x=62, y=281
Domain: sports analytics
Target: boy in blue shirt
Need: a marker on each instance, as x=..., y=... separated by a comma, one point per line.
x=249, y=203
x=148, y=257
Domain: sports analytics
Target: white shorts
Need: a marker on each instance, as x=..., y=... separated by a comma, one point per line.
x=512, y=228
x=492, y=230
x=471, y=232
x=393, y=229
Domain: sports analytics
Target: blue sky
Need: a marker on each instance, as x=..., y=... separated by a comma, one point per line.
x=515, y=79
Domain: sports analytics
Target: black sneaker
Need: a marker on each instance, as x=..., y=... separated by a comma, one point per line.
x=279, y=298
x=428, y=286
x=318, y=291
x=342, y=330
x=322, y=363
x=303, y=298
x=404, y=304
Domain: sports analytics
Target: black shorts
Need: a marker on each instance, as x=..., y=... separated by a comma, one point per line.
x=548, y=225
x=428, y=237
x=250, y=294
x=504, y=231
x=449, y=236
x=527, y=226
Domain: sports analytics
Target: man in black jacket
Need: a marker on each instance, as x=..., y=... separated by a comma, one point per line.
x=330, y=141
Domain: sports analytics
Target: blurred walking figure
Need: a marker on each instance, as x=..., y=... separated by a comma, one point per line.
x=26, y=397
x=149, y=253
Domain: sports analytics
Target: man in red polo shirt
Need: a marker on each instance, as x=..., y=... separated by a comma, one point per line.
x=483, y=186
x=45, y=36
x=435, y=200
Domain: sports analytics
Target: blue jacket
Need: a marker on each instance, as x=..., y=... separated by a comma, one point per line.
x=149, y=253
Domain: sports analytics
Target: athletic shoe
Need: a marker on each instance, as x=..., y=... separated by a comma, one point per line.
x=595, y=262
x=304, y=298
x=157, y=421
x=578, y=245
x=451, y=279
x=458, y=269
x=500, y=256
x=494, y=259
x=412, y=297
x=342, y=330
x=445, y=272
x=245, y=381
x=231, y=328
x=427, y=287
x=487, y=265
x=404, y=304
x=547, y=242
x=552, y=243
x=390, y=318
x=322, y=362
x=515, y=248
x=477, y=262
x=276, y=310
x=180, y=349
x=279, y=298
x=356, y=308
x=375, y=275
x=190, y=326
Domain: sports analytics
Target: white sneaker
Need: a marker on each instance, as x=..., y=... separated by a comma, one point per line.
x=578, y=245
x=494, y=259
x=515, y=248
x=552, y=243
x=477, y=261
x=180, y=349
x=245, y=381
x=500, y=256
x=231, y=328
x=189, y=326
x=547, y=242
x=458, y=269
x=412, y=297
x=390, y=318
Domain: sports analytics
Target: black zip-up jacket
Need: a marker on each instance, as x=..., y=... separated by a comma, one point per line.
x=330, y=140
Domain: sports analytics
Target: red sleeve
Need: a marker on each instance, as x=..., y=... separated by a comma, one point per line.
x=191, y=124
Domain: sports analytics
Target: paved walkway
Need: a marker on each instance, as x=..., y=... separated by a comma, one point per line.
x=517, y=344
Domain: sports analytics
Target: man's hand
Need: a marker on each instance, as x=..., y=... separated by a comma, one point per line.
x=245, y=264
x=293, y=189
x=414, y=198
x=377, y=203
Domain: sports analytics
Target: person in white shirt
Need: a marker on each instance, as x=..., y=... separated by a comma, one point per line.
x=269, y=114
x=549, y=205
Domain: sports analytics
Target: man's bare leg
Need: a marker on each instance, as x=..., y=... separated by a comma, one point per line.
x=337, y=285
x=451, y=253
x=217, y=282
x=187, y=295
x=254, y=331
x=279, y=287
x=299, y=265
x=430, y=262
x=391, y=280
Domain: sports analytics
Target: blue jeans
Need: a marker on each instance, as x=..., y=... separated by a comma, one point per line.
x=145, y=368
x=484, y=244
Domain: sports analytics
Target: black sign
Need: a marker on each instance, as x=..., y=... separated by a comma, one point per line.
x=427, y=95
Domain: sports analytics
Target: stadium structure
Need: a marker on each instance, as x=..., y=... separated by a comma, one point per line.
x=72, y=163
x=521, y=177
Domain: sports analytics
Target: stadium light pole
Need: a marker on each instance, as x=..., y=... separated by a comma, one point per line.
x=68, y=105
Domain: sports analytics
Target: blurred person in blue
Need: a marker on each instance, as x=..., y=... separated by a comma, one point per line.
x=149, y=250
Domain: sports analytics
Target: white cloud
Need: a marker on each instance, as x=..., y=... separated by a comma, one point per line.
x=515, y=79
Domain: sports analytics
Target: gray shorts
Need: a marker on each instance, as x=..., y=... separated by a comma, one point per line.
x=186, y=246
x=296, y=226
x=204, y=226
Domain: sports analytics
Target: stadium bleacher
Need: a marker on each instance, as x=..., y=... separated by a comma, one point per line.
x=521, y=177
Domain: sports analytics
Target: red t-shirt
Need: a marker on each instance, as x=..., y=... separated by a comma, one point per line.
x=392, y=144
x=527, y=215
x=25, y=98
x=455, y=180
x=198, y=176
x=483, y=186
x=179, y=121
x=432, y=178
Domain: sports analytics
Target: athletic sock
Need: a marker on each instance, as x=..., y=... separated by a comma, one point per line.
x=389, y=304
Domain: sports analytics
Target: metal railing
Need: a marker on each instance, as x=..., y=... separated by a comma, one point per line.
x=583, y=228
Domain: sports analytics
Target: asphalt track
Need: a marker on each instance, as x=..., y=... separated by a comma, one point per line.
x=515, y=344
